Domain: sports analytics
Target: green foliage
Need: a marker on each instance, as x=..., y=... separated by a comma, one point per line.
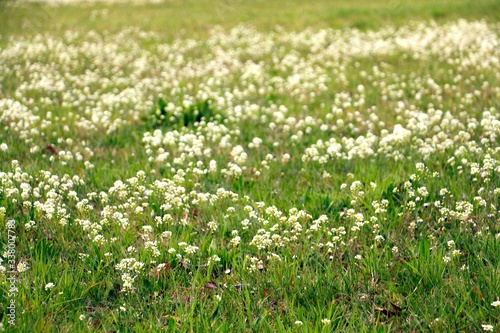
x=160, y=117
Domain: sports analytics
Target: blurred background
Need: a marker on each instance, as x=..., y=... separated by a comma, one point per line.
x=177, y=18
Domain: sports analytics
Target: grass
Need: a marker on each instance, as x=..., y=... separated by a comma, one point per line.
x=339, y=173
x=187, y=18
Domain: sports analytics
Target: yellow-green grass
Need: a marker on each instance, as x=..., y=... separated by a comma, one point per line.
x=188, y=18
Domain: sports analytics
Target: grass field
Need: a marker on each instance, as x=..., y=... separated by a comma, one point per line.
x=187, y=18
x=250, y=166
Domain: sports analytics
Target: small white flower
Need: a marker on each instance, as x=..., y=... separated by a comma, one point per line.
x=49, y=286
x=22, y=267
x=496, y=303
x=299, y=323
x=487, y=328
x=326, y=321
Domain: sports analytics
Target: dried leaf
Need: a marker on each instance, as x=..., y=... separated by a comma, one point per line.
x=155, y=272
x=211, y=285
x=478, y=292
x=96, y=322
x=184, y=264
x=385, y=312
x=194, y=212
x=396, y=308
x=50, y=148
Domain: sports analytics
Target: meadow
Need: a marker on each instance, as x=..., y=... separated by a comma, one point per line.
x=250, y=166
